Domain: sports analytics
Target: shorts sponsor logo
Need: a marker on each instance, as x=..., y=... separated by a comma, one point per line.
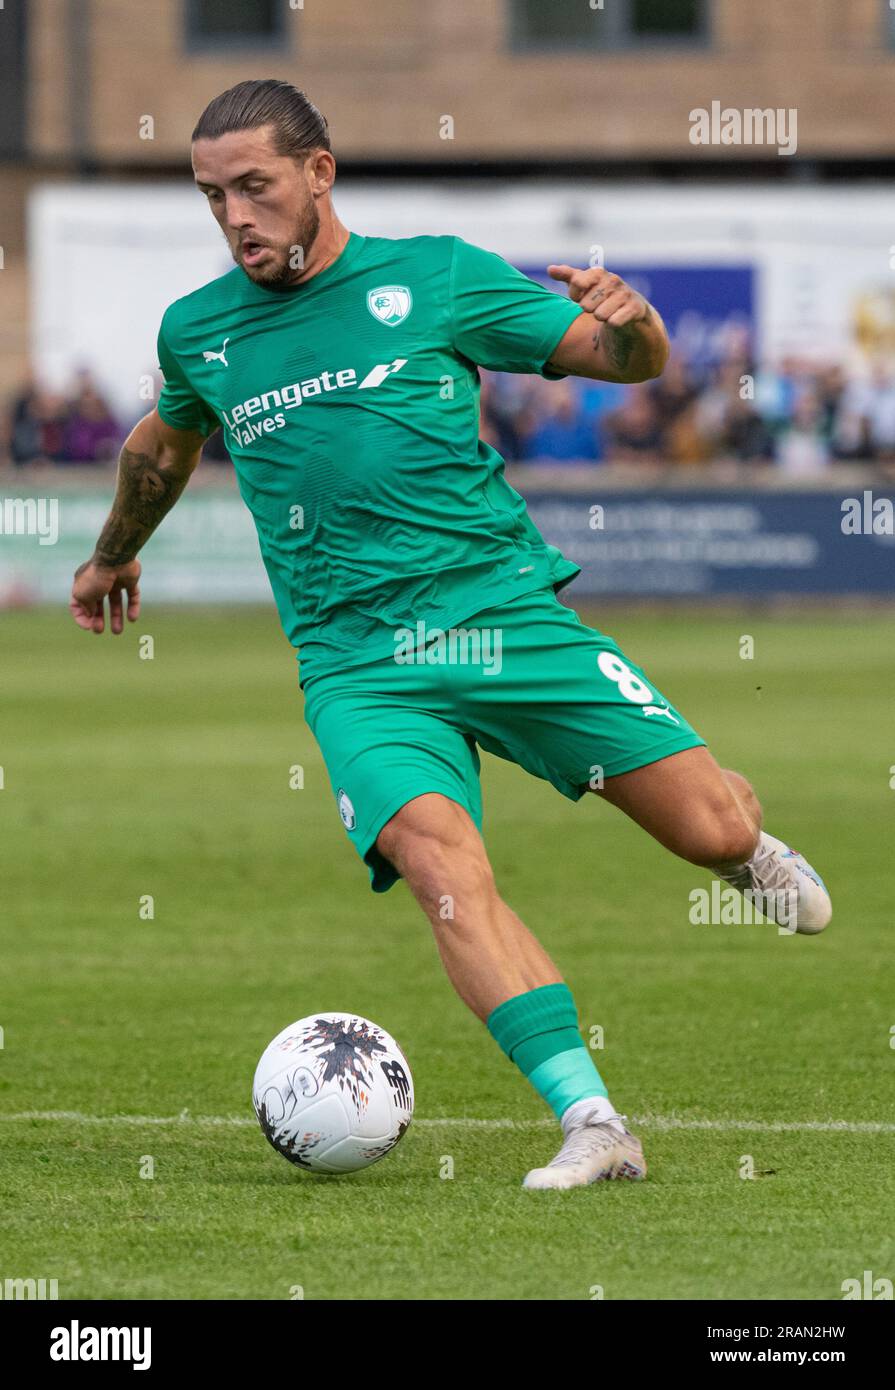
x=346, y=810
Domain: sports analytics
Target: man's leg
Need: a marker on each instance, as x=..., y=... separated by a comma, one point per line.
x=488, y=953
x=506, y=978
x=692, y=807
x=712, y=817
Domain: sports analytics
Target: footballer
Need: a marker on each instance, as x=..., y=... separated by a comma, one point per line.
x=344, y=372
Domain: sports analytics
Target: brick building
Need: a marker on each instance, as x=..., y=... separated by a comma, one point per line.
x=101, y=87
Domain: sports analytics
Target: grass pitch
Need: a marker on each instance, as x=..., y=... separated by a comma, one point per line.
x=128, y=1040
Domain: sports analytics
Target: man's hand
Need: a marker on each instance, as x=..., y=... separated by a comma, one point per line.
x=620, y=337
x=93, y=583
x=603, y=294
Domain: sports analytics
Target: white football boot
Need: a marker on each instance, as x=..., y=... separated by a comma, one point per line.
x=592, y=1151
x=784, y=887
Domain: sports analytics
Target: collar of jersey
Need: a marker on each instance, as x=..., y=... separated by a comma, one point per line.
x=345, y=257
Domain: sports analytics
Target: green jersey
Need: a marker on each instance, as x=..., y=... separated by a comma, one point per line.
x=350, y=408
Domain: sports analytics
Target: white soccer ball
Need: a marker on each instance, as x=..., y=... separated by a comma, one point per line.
x=333, y=1092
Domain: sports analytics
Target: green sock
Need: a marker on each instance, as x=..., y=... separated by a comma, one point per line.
x=538, y=1031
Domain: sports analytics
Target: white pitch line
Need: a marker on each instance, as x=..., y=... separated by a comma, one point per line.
x=665, y=1122
x=768, y=1126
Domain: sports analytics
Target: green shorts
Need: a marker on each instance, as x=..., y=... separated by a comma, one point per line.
x=526, y=680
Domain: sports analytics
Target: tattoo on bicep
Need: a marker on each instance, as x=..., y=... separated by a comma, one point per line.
x=146, y=491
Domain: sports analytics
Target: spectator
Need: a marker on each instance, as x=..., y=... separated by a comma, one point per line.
x=831, y=385
x=634, y=430
x=507, y=412
x=675, y=394
x=880, y=414
x=746, y=436
x=24, y=429
x=91, y=433
x=850, y=428
x=775, y=392
x=561, y=429
x=803, y=449
x=724, y=386
x=675, y=390
x=51, y=412
x=599, y=399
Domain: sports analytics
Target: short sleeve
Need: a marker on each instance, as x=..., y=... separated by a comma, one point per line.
x=502, y=320
x=178, y=404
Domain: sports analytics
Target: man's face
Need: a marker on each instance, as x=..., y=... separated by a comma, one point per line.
x=262, y=201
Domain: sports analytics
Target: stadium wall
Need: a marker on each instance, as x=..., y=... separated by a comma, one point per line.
x=632, y=537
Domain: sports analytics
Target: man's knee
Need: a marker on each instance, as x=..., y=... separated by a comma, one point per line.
x=434, y=844
x=745, y=795
x=723, y=844
x=720, y=831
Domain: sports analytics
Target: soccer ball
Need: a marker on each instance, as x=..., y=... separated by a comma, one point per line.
x=333, y=1092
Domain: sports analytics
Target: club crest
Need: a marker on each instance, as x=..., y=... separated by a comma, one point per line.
x=346, y=810
x=390, y=304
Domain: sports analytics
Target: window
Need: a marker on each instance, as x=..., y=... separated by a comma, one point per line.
x=596, y=24
x=13, y=83
x=664, y=19
x=234, y=23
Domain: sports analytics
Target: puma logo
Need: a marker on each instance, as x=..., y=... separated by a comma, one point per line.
x=659, y=709
x=218, y=356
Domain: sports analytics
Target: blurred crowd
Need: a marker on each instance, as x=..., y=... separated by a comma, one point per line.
x=76, y=426
x=799, y=418
x=72, y=427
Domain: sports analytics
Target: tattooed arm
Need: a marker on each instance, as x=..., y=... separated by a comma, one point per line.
x=154, y=468
x=620, y=338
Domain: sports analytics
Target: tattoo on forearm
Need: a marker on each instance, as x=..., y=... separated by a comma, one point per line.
x=620, y=343
x=146, y=491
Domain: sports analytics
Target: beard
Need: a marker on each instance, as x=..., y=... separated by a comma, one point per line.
x=283, y=266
